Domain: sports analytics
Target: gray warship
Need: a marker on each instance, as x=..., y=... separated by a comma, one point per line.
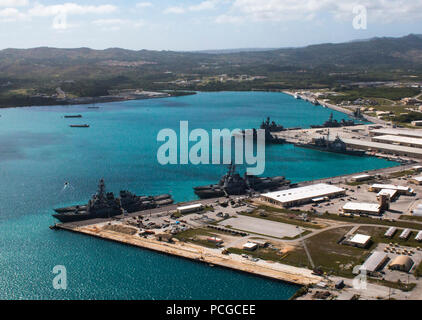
x=233, y=184
x=325, y=144
x=331, y=123
x=105, y=205
x=269, y=127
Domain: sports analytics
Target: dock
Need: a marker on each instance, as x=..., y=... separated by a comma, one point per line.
x=196, y=253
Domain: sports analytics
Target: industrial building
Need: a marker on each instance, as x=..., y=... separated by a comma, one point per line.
x=405, y=234
x=384, y=147
x=362, y=208
x=396, y=132
x=190, y=208
x=362, y=177
x=390, y=232
x=404, y=141
x=374, y=263
x=250, y=246
x=390, y=193
x=302, y=195
x=400, y=189
x=418, y=211
x=416, y=180
x=417, y=168
x=358, y=240
x=402, y=263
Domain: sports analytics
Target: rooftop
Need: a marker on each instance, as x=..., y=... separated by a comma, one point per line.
x=374, y=261
x=360, y=238
x=398, y=132
x=400, y=139
x=360, y=206
x=382, y=146
x=389, y=186
x=308, y=192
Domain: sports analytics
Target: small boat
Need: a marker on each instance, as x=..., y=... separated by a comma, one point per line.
x=73, y=116
x=93, y=107
x=79, y=126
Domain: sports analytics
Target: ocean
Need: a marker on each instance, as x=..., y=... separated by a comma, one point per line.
x=39, y=152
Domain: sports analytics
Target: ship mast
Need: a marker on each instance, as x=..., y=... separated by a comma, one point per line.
x=101, y=189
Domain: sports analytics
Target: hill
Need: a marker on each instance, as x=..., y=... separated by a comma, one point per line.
x=29, y=73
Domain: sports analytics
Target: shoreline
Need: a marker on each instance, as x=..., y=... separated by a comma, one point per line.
x=102, y=99
x=193, y=253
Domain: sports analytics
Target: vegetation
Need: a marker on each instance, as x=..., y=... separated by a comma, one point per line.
x=197, y=236
x=271, y=216
x=377, y=234
x=31, y=76
x=353, y=93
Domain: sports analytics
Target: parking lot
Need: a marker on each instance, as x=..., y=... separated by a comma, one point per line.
x=261, y=226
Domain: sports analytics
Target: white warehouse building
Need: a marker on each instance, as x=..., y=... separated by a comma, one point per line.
x=302, y=195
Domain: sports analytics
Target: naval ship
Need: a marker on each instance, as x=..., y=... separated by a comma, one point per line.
x=331, y=123
x=105, y=205
x=336, y=146
x=233, y=184
x=269, y=127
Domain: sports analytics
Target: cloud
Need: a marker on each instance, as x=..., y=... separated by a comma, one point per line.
x=144, y=5
x=202, y=6
x=11, y=15
x=13, y=3
x=117, y=24
x=175, y=10
x=281, y=10
x=69, y=8
x=205, y=5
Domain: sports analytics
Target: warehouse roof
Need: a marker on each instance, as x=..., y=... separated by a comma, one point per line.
x=362, y=176
x=360, y=239
x=361, y=206
x=390, y=232
x=308, y=192
x=390, y=192
x=402, y=261
x=189, y=207
x=374, y=262
x=389, y=186
x=405, y=234
x=400, y=139
x=382, y=146
x=419, y=178
x=398, y=132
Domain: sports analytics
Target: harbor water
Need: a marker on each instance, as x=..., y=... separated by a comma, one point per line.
x=39, y=153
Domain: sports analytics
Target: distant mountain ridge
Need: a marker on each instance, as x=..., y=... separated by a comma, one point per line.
x=89, y=72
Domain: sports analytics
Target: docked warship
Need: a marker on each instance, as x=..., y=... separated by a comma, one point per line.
x=105, y=205
x=233, y=184
x=269, y=127
x=331, y=123
x=325, y=144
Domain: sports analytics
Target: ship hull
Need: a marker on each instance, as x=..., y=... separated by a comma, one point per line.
x=83, y=216
x=357, y=153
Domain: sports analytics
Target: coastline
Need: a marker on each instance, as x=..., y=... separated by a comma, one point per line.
x=276, y=271
x=51, y=102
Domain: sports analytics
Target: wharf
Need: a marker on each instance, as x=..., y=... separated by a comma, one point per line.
x=274, y=271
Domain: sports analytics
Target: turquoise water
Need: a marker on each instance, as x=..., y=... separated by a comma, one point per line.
x=39, y=153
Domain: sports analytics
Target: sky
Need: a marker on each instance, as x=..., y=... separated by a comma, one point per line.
x=184, y=25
